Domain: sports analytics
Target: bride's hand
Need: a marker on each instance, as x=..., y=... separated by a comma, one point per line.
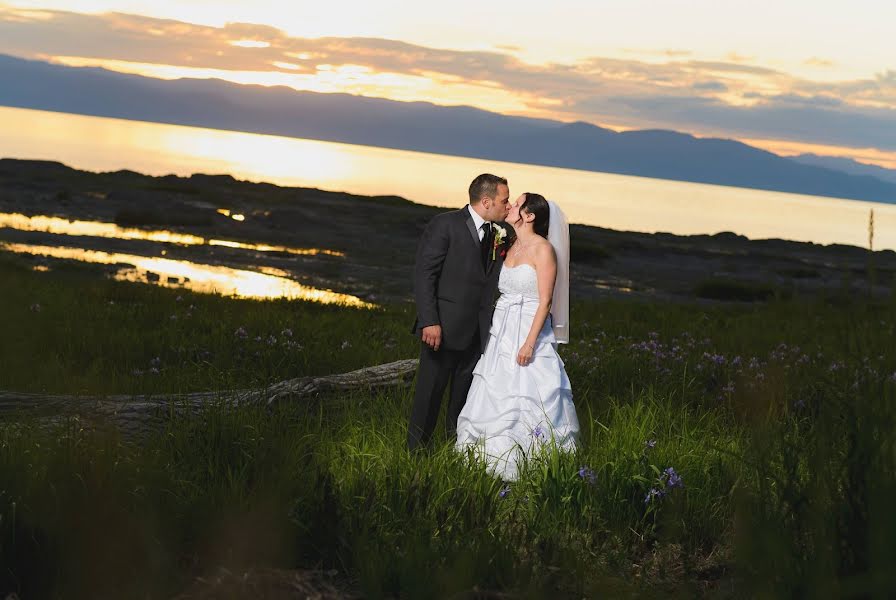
x=525, y=355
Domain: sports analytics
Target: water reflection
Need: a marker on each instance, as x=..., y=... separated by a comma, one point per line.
x=234, y=216
x=616, y=286
x=58, y=225
x=613, y=201
x=270, y=283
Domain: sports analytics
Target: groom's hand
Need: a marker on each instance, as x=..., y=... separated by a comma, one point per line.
x=432, y=336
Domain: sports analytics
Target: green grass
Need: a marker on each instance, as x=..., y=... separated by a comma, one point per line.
x=64, y=335
x=779, y=418
x=722, y=289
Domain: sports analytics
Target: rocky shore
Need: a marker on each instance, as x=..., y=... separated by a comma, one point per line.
x=366, y=245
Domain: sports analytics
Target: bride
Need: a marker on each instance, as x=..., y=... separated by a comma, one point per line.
x=520, y=402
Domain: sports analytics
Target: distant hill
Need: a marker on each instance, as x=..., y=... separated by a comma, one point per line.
x=847, y=165
x=421, y=126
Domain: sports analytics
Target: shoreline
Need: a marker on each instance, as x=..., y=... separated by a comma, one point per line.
x=378, y=236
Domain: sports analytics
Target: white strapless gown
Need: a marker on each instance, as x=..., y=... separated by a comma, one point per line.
x=515, y=411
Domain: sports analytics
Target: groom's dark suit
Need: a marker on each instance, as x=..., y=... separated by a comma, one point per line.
x=455, y=284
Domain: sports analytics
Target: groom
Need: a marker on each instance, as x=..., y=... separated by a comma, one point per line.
x=455, y=281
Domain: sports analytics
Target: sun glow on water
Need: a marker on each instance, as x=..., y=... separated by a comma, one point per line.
x=211, y=279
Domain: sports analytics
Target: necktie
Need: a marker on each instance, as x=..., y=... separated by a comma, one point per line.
x=486, y=244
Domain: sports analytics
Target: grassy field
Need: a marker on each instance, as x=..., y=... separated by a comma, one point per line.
x=776, y=419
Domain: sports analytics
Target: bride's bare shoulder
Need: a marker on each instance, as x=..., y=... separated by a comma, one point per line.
x=543, y=248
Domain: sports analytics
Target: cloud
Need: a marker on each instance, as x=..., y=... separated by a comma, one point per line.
x=667, y=52
x=731, y=97
x=819, y=62
x=739, y=58
x=710, y=86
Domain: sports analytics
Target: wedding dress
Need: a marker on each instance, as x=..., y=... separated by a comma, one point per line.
x=515, y=411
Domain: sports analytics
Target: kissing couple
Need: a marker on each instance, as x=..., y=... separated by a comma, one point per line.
x=509, y=393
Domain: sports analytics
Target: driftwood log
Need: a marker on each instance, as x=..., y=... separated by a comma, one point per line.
x=133, y=413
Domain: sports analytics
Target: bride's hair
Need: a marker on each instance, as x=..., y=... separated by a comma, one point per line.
x=535, y=204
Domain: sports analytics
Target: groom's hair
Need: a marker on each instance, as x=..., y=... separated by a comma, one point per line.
x=485, y=185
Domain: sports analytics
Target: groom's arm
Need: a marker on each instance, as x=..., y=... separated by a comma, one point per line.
x=430, y=257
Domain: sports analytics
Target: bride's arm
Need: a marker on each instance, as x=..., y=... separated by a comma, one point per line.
x=546, y=273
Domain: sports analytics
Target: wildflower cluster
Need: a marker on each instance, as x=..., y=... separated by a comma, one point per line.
x=666, y=482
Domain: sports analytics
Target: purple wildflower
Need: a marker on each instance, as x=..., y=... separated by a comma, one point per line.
x=588, y=475
x=653, y=493
x=673, y=479
x=504, y=491
x=650, y=444
x=714, y=358
x=241, y=333
x=538, y=433
x=779, y=353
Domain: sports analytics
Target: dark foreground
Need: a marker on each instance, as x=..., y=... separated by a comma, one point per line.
x=778, y=418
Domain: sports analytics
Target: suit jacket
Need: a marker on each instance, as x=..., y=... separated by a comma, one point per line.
x=451, y=287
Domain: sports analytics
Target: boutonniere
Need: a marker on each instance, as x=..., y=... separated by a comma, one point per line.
x=500, y=236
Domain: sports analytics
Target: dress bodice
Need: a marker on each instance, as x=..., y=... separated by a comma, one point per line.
x=519, y=280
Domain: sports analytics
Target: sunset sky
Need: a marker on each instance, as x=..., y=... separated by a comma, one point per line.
x=789, y=76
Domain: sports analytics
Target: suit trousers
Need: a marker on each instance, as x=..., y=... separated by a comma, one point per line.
x=435, y=371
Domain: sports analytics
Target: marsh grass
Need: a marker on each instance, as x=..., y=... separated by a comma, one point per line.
x=725, y=289
x=778, y=419
x=62, y=334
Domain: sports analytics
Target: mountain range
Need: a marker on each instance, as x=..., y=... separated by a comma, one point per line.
x=847, y=165
x=426, y=127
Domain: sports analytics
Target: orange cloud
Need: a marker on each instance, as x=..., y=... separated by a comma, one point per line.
x=733, y=98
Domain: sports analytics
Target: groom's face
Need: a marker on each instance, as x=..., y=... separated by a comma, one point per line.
x=497, y=208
